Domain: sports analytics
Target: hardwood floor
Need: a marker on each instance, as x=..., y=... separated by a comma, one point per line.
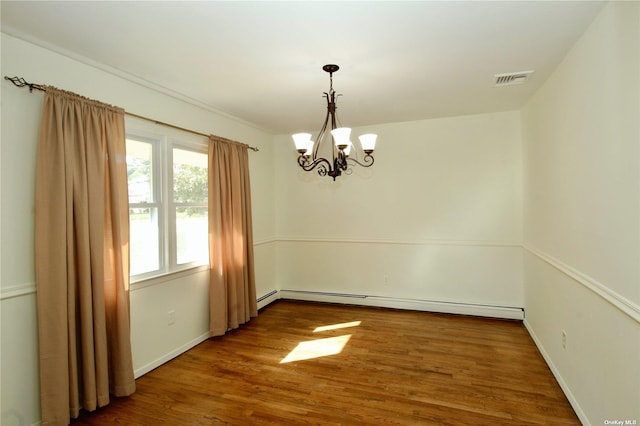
x=396, y=367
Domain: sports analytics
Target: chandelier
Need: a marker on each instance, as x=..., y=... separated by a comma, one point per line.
x=339, y=155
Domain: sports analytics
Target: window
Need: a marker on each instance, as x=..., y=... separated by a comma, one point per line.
x=168, y=204
x=190, y=206
x=144, y=208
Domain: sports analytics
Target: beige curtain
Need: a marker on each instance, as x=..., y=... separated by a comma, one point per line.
x=82, y=257
x=232, y=292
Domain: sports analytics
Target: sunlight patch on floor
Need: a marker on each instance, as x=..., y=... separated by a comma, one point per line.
x=317, y=348
x=337, y=326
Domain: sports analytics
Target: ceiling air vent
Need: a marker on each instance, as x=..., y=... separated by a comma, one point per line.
x=512, y=78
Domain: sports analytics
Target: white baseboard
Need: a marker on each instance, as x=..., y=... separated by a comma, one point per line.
x=505, y=312
x=169, y=356
x=556, y=373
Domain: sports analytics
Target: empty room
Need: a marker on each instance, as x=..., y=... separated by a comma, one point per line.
x=314, y=212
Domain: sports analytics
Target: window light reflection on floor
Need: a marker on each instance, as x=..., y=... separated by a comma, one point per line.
x=321, y=347
x=337, y=326
x=317, y=348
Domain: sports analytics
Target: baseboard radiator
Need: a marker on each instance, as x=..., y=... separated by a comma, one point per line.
x=506, y=312
x=263, y=301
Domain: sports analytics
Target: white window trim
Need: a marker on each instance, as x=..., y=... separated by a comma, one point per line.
x=164, y=139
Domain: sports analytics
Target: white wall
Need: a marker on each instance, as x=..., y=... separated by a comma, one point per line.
x=153, y=340
x=437, y=222
x=581, y=134
x=436, y=219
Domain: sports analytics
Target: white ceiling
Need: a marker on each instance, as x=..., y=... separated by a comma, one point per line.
x=262, y=61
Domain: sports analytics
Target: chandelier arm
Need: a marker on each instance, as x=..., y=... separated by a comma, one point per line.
x=331, y=110
x=316, y=146
x=322, y=170
x=318, y=162
x=367, y=161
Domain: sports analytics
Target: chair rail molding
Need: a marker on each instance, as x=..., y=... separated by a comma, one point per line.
x=428, y=242
x=18, y=290
x=619, y=301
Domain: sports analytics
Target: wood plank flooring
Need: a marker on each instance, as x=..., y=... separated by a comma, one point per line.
x=395, y=368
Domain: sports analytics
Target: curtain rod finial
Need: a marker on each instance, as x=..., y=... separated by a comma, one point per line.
x=21, y=82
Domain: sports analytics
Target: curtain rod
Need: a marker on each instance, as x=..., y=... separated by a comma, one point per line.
x=21, y=82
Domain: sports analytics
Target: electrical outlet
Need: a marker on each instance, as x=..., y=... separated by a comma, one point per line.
x=171, y=317
x=564, y=339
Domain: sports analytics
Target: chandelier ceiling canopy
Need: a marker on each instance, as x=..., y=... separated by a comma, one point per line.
x=333, y=159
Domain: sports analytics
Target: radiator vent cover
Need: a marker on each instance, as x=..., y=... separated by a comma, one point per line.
x=512, y=78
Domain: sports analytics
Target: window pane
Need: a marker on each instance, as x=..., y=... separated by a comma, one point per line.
x=139, y=171
x=192, y=228
x=189, y=176
x=144, y=240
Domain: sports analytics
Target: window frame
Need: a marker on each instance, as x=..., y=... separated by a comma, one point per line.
x=163, y=140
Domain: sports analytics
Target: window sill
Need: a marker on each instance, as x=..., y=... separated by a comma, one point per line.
x=169, y=276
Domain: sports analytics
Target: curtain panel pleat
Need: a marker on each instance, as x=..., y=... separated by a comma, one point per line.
x=232, y=292
x=82, y=257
